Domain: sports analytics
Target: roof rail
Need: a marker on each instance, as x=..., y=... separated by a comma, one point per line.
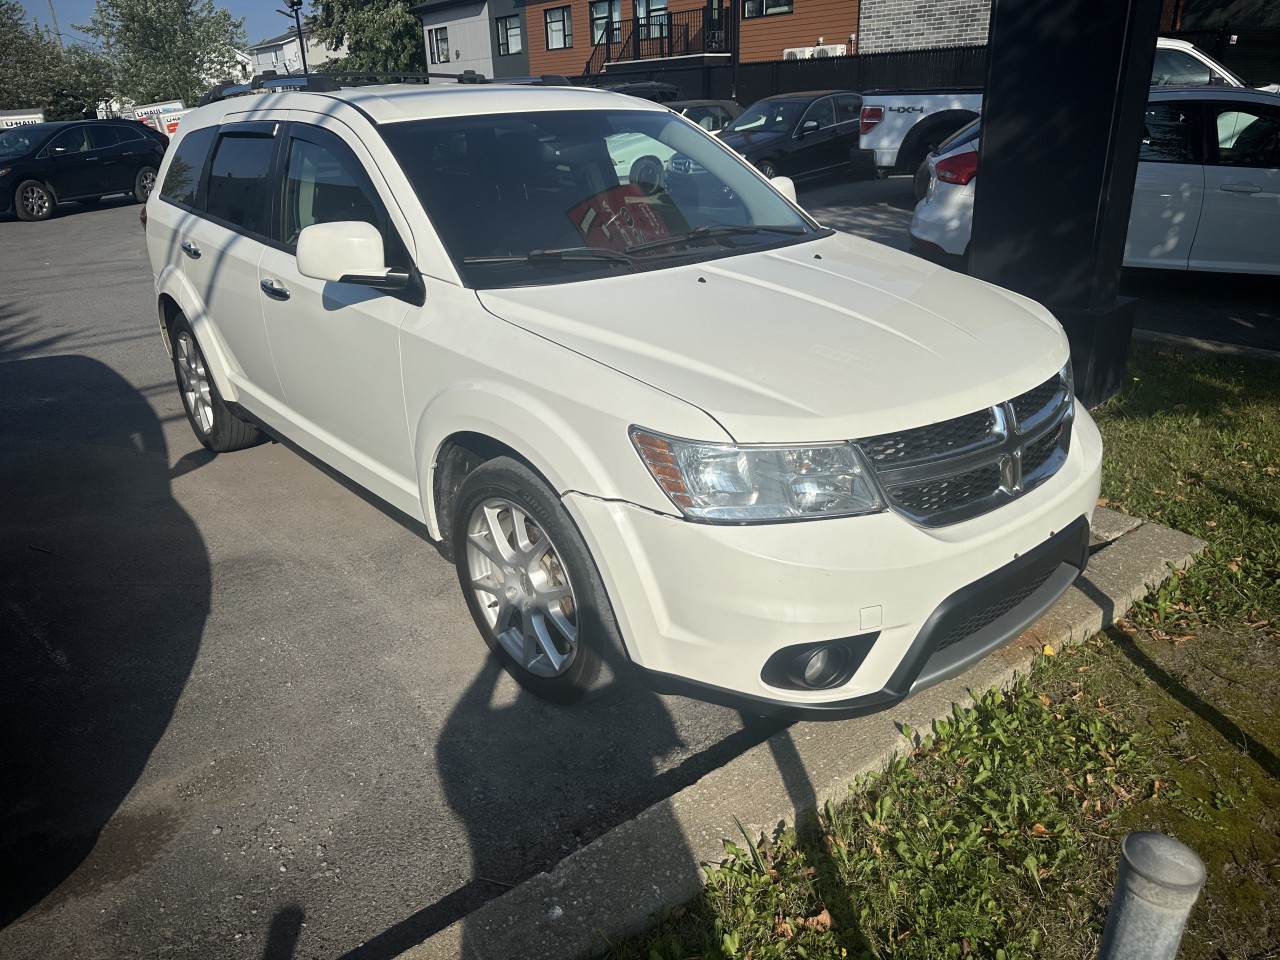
x=269, y=81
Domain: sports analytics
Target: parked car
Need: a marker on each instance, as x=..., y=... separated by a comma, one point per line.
x=1207, y=196
x=639, y=159
x=585, y=393
x=45, y=164
x=798, y=135
x=654, y=90
x=900, y=129
x=711, y=115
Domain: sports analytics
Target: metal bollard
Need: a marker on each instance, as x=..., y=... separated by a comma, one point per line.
x=1158, y=881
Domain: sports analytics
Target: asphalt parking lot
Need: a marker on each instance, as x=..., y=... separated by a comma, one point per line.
x=245, y=713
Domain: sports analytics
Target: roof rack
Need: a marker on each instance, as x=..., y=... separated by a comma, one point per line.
x=269, y=81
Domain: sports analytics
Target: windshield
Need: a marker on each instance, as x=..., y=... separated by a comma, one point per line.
x=537, y=198
x=15, y=141
x=768, y=116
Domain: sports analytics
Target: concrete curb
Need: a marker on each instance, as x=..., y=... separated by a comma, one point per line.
x=614, y=886
x=1211, y=347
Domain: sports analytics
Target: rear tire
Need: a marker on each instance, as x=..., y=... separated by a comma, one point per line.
x=532, y=587
x=143, y=184
x=33, y=201
x=211, y=420
x=767, y=169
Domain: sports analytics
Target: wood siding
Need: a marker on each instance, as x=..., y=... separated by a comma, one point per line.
x=570, y=62
x=764, y=38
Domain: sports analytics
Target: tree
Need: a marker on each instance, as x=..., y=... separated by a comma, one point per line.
x=166, y=49
x=379, y=35
x=36, y=73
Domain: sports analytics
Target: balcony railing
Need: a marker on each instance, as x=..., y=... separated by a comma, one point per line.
x=656, y=36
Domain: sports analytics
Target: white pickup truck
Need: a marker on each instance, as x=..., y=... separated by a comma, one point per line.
x=902, y=126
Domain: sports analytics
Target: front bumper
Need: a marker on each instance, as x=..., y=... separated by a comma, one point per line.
x=703, y=607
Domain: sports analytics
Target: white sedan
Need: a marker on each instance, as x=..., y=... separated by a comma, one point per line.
x=1207, y=195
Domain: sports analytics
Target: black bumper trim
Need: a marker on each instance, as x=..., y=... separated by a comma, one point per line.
x=1050, y=569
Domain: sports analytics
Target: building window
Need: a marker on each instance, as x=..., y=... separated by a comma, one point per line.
x=559, y=28
x=765, y=8
x=438, y=44
x=510, y=40
x=654, y=21
x=606, y=20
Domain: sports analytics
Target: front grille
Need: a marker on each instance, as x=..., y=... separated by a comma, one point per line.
x=934, y=440
x=967, y=466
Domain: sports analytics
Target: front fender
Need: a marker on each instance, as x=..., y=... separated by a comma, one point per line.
x=511, y=416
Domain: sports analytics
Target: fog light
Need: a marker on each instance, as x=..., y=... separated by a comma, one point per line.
x=817, y=665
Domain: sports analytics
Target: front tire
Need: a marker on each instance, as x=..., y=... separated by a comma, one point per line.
x=767, y=169
x=143, y=184
x=213, y=423
x=531, y=586
x=33, y=201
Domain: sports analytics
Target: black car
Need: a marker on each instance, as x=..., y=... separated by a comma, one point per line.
x=45, y=164
x=653, y=90
x=798, y=135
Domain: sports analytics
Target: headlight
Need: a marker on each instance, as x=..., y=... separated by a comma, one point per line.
x=721, y=483
x=1068, y=380
x=5, y=171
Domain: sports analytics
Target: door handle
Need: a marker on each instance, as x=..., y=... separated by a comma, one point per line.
x=1240, y=188
x=274, y=290
x=191, y=250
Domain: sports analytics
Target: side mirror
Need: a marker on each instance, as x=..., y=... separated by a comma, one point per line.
x=809, y=126
x=348, y=251
x=785, y=186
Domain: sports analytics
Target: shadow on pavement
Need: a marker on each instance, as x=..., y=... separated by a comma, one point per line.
x=104, y=592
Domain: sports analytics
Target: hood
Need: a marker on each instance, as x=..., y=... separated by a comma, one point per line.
x=827, y=340
x=747, y=141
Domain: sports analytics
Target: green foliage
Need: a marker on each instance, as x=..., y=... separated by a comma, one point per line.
x=379, y=35
x=984, y=840
x=166, y=49
x=1201, y=453
x=35, y=73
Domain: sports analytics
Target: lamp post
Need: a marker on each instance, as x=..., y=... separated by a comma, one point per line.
x=295, y=11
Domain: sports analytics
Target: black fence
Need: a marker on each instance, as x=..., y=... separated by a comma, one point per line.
x=1254, y=54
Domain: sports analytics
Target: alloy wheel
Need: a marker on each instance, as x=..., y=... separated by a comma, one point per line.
x=522, y=587
x=194, y=377
x=35, y=200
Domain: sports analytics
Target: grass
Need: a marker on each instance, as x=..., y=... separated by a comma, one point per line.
x=995, y=835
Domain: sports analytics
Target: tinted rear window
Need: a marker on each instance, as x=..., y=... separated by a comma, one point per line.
x=183, y=176
x=237, y=191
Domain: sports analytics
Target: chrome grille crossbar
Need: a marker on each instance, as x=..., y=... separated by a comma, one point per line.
x=959, y=469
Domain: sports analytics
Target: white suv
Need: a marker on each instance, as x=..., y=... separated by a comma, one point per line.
x=695, y=436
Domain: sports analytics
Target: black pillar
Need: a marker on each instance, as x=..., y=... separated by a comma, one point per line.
x=1067, y=84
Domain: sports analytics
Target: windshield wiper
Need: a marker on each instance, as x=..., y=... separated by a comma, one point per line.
x=560, y=255
x=713, y=232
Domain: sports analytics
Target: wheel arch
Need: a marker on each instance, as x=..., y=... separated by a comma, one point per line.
x=939, y=126
x=471, y=424
x=173, y=291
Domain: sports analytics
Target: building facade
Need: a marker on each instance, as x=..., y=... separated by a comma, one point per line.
x=283, y=54
x=487, y=36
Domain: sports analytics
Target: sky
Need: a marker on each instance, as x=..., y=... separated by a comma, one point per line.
x=260, y=19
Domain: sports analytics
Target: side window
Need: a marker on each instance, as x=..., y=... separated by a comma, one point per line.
x=824, y=111
x=69, y=141
x=238, y=178
x=1173, y=67
x=320, y=186
x=102, y=135
x=127, y=132
x=848, y=109
x=325, y=183
x=1247, y=137
x=183, y=176
x=1166, y=134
